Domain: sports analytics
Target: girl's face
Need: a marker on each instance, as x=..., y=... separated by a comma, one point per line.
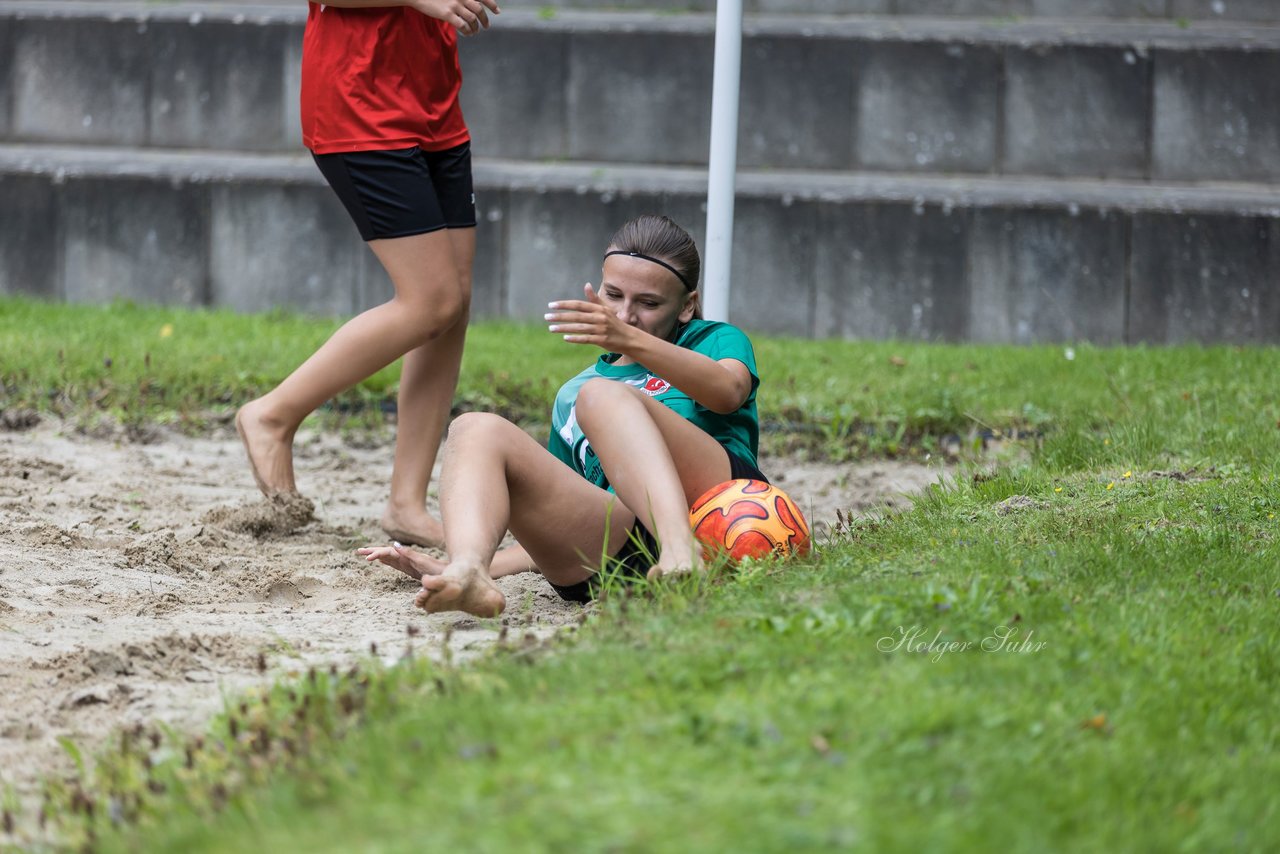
x=645, y=295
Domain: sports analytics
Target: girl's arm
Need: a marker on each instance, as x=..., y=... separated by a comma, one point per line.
x=721, y=386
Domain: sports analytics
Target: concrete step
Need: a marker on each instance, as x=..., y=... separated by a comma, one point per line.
x=826, y=254
x=1133, y=100
x=1174, y=10
x=1184, y=10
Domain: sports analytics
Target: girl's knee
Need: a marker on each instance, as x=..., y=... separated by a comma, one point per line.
x=433, y=316
x=477, y=427
x=601, y=395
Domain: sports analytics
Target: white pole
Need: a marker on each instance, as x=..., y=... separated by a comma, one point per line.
x=723, y=159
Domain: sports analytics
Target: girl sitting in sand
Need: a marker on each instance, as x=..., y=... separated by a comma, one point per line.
x=665, y=414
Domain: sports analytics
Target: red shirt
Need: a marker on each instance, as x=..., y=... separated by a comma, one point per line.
x=379, y=78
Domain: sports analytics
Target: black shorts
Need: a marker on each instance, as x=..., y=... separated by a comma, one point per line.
x=632, y=562
x=403, y=192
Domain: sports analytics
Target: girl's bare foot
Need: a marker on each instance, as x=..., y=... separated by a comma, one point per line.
x=411, y=563
x=270, y=450
x=674, y=568
x=414, y=526
x=462, y=587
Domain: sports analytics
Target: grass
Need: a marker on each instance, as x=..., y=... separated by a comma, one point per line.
x=1077, y=649
x=154, y=364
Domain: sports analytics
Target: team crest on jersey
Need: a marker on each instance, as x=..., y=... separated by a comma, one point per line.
x=655, y=386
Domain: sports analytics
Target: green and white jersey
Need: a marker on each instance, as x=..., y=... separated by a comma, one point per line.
x=738, y=432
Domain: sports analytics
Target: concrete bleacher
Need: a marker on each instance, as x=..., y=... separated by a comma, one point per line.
x=1191, y=10
x=990, y=171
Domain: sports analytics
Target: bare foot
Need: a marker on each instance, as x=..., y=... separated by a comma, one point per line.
x=270, y=451
x=674, y=569
x=411, y=563
x=461, y=588
x=418, y=527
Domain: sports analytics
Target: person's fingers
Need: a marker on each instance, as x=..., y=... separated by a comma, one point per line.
x=467, y=16
x=572, y=305
x=465, y=20
x=576, y=317
x=588, y=327
x=479, y=12
x=558, y=324
x=583, y=337
x=473, y=13
x=577, y=329
x=592, y=296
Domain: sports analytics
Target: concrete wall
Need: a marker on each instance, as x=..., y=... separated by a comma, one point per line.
x=30, y=251
x=1206, y=116
x=1197, y=10
x=912, y=178
x=148, y=82
x=1097, y=108
x=864, y=261
x=1206, y=10
x=1196, y=278
x=1110, y=100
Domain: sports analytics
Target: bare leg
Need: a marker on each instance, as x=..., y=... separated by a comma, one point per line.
x=428, y=380
x=431, y=299
x=496, y=476
x=657, y=463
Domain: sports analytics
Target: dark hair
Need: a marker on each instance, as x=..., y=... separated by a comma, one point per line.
x=658, y=237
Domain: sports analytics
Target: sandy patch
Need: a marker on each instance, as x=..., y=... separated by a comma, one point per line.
x=143, y=582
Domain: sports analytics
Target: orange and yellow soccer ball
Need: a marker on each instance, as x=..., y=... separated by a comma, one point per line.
x=748, y=518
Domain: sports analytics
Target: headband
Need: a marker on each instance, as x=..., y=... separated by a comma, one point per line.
x=657, y=261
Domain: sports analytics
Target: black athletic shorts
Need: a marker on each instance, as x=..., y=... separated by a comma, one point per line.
x=403, y=192
x=632, y=561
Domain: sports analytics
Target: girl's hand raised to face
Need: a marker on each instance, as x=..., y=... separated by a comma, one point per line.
x=589, y=321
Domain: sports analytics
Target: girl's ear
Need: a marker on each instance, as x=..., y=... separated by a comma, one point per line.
x=690, y=310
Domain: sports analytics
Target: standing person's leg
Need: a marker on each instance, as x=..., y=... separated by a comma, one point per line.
x=428, y=379
x=407, y=204
x=430, y=300
x=497, y=477
x=656, y=461
x=429, y=375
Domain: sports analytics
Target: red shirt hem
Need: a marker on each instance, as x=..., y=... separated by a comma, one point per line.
x=343, y=146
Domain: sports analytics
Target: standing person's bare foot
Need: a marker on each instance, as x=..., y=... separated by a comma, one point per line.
x=269, y=448
x=412, y=525
x=462, y=587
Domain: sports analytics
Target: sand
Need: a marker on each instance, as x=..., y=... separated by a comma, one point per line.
x=144, y=579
